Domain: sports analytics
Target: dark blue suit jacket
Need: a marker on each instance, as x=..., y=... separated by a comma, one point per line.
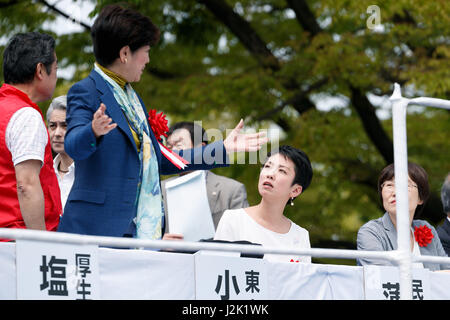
x=444, y=234
x=102, y=198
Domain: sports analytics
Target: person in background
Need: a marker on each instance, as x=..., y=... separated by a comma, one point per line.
x=444, y=229
x=285, y=175
x=118, y=160
x=62, y=163
x=29, y=191
x=381, y=234
x=223, y=193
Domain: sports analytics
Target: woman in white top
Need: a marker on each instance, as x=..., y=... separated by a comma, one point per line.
x=284, y=176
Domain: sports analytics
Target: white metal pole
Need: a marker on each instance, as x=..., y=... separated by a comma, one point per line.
x=119, y=242
x=399, y=105
x=431, y=102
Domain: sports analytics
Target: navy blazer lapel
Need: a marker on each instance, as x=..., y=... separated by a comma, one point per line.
x=391, y=232
x=112, y=107
x=152, y=135
x=115, y=112
x=154, y=141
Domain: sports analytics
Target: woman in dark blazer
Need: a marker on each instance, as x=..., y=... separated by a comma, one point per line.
x=118, y=159
x=381, y=234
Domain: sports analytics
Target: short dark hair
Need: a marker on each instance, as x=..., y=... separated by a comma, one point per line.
x=192, y=127
x=302, y=165
x=117, y=27
x=23, y=53
x=416, y=173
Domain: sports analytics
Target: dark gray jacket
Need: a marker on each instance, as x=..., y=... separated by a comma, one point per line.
x=444, y=234
x=380, y=235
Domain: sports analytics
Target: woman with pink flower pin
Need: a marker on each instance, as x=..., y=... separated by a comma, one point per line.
x=381, y=234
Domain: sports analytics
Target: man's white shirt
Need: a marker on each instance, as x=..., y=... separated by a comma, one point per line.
x=26, y=136
x=65, y=182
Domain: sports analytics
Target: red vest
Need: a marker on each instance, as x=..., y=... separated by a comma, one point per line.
x=11, y=100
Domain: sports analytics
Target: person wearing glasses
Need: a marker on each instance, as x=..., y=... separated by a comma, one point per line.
x=62, y=162
x=381, y=234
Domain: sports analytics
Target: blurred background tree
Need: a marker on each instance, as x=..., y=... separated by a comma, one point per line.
x=319, y=71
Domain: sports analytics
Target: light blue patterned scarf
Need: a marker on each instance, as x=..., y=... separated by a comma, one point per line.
x=149, y=206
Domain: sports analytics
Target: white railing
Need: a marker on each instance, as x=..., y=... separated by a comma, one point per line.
x=399, y=106
x=401, y=257
x=116, y=242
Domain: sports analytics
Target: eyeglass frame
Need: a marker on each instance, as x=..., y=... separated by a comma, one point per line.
x=391, y=188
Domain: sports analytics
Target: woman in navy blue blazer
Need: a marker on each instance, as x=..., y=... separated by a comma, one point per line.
x=118, y=160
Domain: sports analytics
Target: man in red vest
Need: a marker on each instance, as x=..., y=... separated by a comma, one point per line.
x=29, y=191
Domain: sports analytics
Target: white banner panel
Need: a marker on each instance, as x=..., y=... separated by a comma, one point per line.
x=304, y=281
x=8, y=271
x=56, y=271
x=145, y=274
x=345, y=282
x=383, y=283
x=440, y=285
x=230, y=278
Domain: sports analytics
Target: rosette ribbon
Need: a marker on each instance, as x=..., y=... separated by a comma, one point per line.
x=158, y=123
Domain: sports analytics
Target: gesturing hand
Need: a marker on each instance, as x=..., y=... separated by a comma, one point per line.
x=236, y=141
x=101, y=123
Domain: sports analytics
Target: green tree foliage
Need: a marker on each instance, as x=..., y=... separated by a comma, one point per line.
x=312, y=68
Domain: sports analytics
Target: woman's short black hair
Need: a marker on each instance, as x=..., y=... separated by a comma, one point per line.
x=302, y=165
x=117, y=27
x=416, y=173
x=23, y=53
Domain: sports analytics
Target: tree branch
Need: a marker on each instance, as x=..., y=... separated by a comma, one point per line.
x=65, y=15
x=283, y=123
x=300, y=102
x=5, y=4
x=372, y=124
x=242, y=29
x=161, y=74
x=304, y=16
x=364, y=108
x=251, y=40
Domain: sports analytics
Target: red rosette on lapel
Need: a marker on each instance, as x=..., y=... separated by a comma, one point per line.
x=423, y=235
x=158, y=123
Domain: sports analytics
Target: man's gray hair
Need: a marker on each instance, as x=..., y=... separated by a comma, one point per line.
x=445, y=194
x=59, y=103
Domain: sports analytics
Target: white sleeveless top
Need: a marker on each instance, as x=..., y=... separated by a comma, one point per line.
x=237, y=225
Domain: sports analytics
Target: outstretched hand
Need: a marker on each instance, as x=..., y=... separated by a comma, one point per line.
x=248, y=142
x=101, y=123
